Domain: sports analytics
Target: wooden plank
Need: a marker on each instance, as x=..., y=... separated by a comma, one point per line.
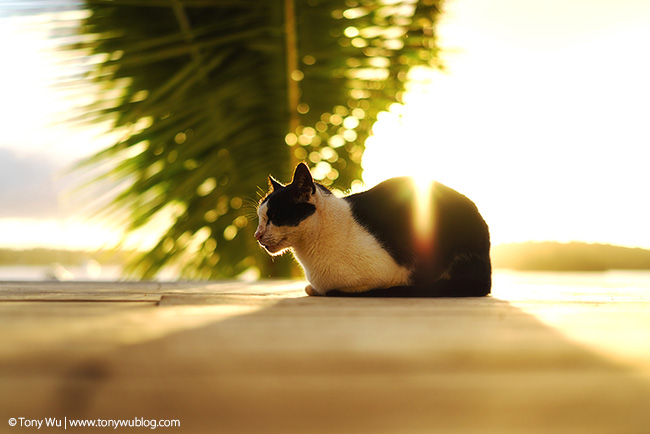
x=137, y=291
x=80, y=296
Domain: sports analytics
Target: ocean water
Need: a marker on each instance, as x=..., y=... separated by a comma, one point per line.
x=606, y=279
x=90, y=271
x=504, y=281
x=631, y=285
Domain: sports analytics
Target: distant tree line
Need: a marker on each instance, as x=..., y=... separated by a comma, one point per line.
x=9, y=257
x=552, y=256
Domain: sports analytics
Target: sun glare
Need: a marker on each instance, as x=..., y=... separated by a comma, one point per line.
x=422, y=213
x=72, y=233
x=540, y=119
x=545, y=135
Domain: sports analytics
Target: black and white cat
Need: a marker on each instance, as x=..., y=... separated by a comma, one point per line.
x=369, y=243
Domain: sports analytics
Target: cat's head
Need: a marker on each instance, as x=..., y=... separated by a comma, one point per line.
x=287, y=212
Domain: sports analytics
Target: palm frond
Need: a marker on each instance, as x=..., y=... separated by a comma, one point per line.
x=199, y=91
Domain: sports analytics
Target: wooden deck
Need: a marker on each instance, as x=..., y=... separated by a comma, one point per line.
x=263, y=358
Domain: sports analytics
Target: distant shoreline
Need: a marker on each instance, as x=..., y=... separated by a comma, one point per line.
x=554, y=256
x=46, y=256
x=528, y=256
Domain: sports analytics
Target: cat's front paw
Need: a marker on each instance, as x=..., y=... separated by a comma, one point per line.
x=311, y=291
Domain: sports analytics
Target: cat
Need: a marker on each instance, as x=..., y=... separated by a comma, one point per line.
x=369, y=243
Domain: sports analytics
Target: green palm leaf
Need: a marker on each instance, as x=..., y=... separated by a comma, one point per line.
x=214, y=95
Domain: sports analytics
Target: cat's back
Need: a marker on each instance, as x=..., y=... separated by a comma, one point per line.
x=388, y=212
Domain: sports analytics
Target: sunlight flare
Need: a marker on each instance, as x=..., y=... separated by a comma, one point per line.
x=423, y=214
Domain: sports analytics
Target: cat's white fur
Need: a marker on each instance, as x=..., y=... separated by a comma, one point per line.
x=333, y=249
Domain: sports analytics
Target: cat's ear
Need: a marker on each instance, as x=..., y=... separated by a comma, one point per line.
x=303, y=181
x=273, y=184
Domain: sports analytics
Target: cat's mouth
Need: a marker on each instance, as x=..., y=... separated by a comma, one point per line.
x=273, y=248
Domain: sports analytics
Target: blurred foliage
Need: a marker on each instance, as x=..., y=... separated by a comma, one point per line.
x=200, y=93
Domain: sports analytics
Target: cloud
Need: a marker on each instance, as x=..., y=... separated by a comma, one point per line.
x=28, y=186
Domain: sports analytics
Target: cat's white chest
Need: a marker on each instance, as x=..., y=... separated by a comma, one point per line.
x=344, y=256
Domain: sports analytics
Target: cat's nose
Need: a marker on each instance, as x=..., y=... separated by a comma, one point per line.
x=258, y=234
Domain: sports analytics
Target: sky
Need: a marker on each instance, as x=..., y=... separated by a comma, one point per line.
x=541, y=117
x=40, y=203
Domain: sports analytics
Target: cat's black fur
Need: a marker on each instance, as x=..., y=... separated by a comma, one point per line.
x=460, y=241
